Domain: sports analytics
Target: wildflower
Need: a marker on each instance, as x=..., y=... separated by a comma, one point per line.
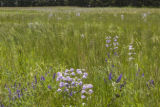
x=59, y=90
x=115, y=47
x=143, y=75
x=83, y=91
x=61, y=84
x=42, y=78
x=49, y=87
x=79, y=71
x=66, y=84
x=131, y=47
x=87, y=86
x=68, y=78
x=59, y=74
x=66, y=71
x=9, y=91
x=35, y=78
x=73, y=74
x=90, y=91
x=119, y=78
x=83, y=96
x=122, y=17
x=18, y=93
x=71, y=94
x=65, y=74
x=108, y=41
x=107, y=45
x=85, y=75
x=54, y=75
x=151, y=82
x=80, y=83
x=78, y=14
x=82, y=35
x=73, y=83
x=71, y=69
x=66, y=90
x=130, y=58
x=110, y=76
x=83, y=104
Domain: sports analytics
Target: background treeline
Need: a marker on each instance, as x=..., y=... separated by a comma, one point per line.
x=85, y=3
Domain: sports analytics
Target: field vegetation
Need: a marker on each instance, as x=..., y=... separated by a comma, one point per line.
x=117, y=49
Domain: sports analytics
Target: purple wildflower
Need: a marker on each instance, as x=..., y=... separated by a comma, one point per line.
x=151, y=82
x=9, y=91
x=49, y=87
x=83, y=96
x=18, y=93
x=143, y=75
x=71, y=94
x=90, y=91
x=2, y=105
x=110, y=75
x=54, y=75
x=42, y=78
x=59, y=90
x=35, y=78
x=119, y=78
x=72, y=69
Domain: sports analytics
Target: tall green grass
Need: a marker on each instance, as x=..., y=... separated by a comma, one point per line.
x=34, y=41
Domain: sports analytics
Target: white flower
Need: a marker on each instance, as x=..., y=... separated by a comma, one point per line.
x=83, y=91
x=83, y=96
x=73, y=74
x=131, y=47
x=59, y=90
x=90, y=91
x=79, y=71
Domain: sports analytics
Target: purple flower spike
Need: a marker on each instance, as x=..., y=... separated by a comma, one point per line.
x=49, y=87
x=42, y=78
x=71, y=94
x=9, y=91
x=151, y=82
x=18, y=93
x=54, y=75
x=110, y=76
x=143, y=75
x=119, y=78
x=106, y=60
x=35, y=78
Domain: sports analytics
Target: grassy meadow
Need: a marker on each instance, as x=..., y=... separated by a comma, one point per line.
x=106, y=42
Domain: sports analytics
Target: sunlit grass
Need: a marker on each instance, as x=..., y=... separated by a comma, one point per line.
x=35, y=41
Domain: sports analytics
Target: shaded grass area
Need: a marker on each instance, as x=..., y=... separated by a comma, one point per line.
x=35, y=41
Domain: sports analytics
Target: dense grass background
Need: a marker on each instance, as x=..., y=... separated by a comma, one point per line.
x=35, y=41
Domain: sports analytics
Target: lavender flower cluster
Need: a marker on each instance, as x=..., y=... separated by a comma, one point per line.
x=112, y=44
x=131, y=52
x=71, y=82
